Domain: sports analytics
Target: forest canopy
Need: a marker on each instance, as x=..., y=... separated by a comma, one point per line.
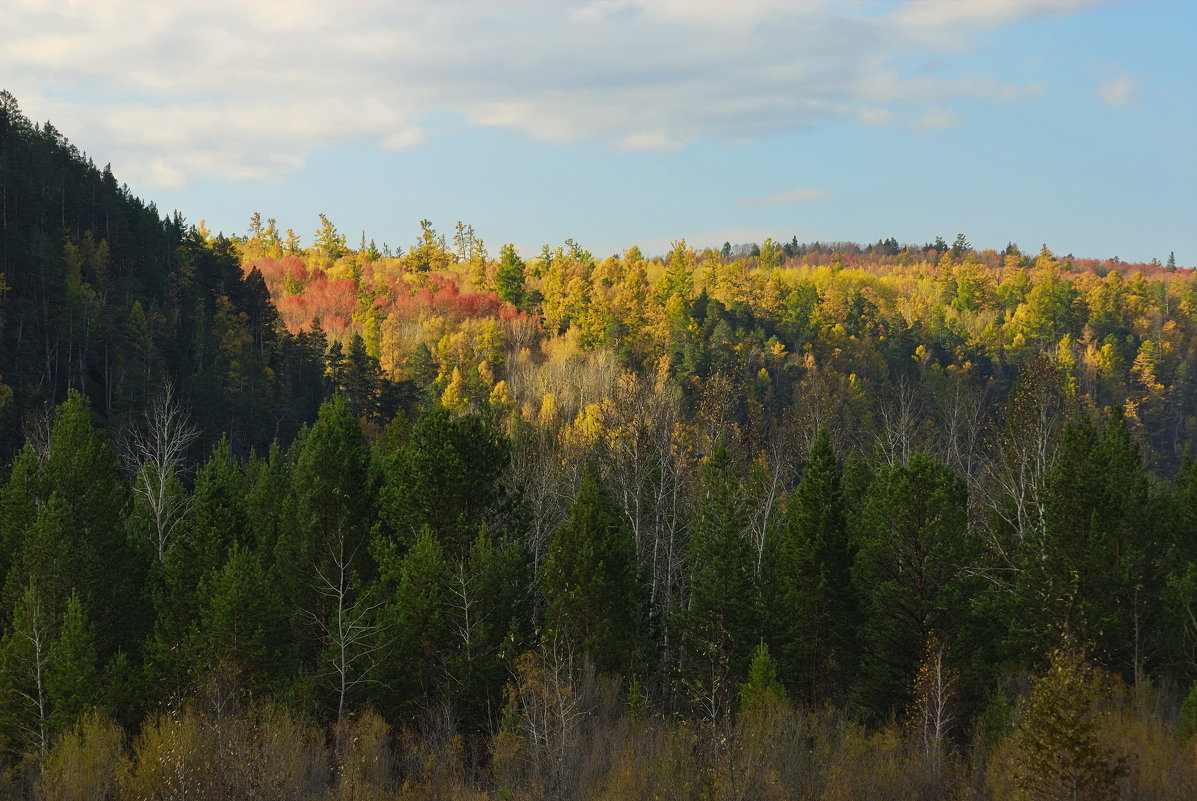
x=809, y=520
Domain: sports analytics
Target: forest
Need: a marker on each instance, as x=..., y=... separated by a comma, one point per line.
x=781, y=520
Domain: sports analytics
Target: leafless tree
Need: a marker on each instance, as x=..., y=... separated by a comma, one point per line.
x=900, y=422
x=30, y=655
x=556, y=694
x=155, y=452
x=934, y=696
x=771, y=473
x=649, y=468
x=353, y=647
x=1017, y=472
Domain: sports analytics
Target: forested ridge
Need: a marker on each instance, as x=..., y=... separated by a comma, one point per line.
x=780, y=520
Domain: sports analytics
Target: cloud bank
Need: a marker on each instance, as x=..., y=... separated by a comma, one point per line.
x=247, y=91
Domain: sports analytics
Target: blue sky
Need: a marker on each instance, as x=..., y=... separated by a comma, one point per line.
x=638, y=121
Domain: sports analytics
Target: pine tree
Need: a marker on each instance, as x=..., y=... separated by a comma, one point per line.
x=446, y=477
x=488, y=616
x=913, y=572
x=242, y=625
x=416, y=621
x=331, y=504
x=816, y=615
x=722, y=618
x=72, y=674
x=762, y=691
x=217, y=520
x=509, y=277
x=591, y=590
x=1059, y=755
x=1086, y=571
x=83, y=471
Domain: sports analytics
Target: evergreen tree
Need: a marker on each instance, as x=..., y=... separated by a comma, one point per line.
x=330, y=511
x=509, y=277
x=217, y=521
x=72, y=674
x=816, y=616
x=762, y=691
x=18, y=507
x=489, y=614
x=1059, y=755
x=593, y=597
x=722, y=617
x=445, y=477
x=82, y=470
x=416, y=621
x=914, y=573
x=1087, y=571
x=242, y=625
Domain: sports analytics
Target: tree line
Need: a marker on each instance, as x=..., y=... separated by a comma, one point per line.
x=783, y=523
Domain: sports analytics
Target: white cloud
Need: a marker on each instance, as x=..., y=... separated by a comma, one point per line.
x=937, y=14
x=786, y=197
x=937, y=119
x=1121, y=91
x=231, y=89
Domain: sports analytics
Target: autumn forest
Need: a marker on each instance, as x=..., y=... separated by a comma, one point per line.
x=306, y=516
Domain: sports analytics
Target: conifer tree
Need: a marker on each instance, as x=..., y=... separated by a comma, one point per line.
x=591, y=590
x=1059, y=755
x=488, y=614
x=445, y=477
x=216, y=522
x=722, y=618
x=815, y=617
x=330, y=511
x=509, y=277
x=242, y=624
x=762, y=691
x=914, y=573
x=416, y=622
x=72, y=674
x=1087, y=570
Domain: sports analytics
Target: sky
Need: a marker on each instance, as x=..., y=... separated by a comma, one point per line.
x=637, y=122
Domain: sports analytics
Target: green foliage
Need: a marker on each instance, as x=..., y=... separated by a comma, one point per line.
x=242, y=625
x=1186, y=724
x=509, y=277
x=912, y=570
x=815, y=616
x=762, y=691
x=723, y=616
x=1061, y=395
x=1084, y=570
x=417, y=620
x=593, y=597
x=72, y=674
x=328, y=241
x=445, y=477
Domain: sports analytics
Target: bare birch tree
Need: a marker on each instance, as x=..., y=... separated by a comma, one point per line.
x=353, y=647
x=27, y=651
x=155, y=452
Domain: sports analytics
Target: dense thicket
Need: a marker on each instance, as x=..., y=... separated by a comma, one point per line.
x=719, y=525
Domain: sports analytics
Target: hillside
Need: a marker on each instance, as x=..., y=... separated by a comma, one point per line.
x=102, y=295
x=776, y=521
